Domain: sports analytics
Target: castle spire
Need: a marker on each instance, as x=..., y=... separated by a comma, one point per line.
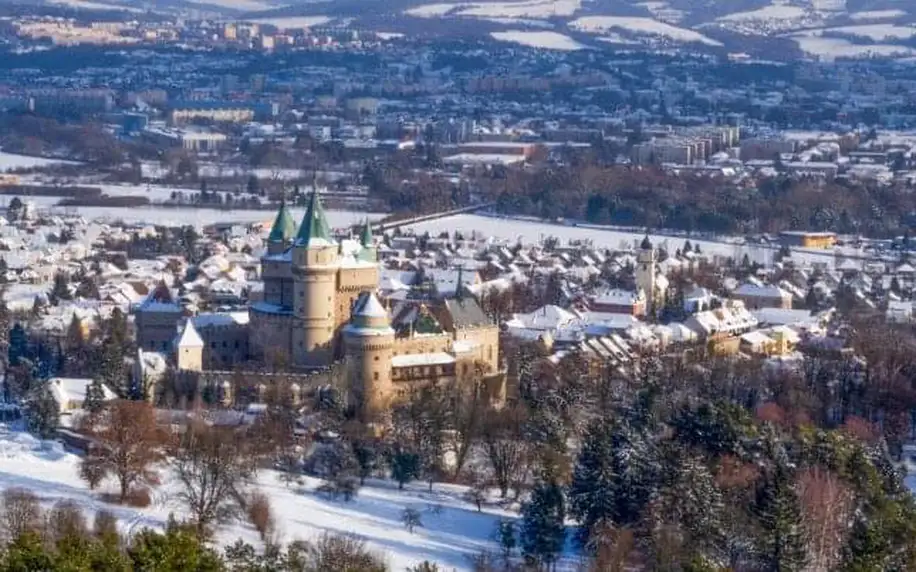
x=314, y=224
x=284, y=228
x=365, y=237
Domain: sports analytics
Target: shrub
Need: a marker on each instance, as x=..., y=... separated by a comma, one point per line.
x=66, y=520
x=105, y=525
x=411, y=519
x=21, y=512
x=92, y=471
x=138, y=498
x=260, y=515
x=346, y=487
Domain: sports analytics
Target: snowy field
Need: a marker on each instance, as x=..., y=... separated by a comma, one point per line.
x=202, y=217
x=877, y=32
x=641, y=26
x=449, y=536
x=539, y=39
x=532, y=232
x=534, y=9
x=10, y=161
x=828, y=49
x=294, y=23
x=243, y=5
x=86, y=5
x=877, y=15
x=772, y=12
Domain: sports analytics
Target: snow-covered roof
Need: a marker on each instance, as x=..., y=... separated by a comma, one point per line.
x=70, y=390
x=189, y=337
x=413, y=360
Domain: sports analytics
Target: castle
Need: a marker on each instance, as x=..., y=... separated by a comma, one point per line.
x=320, y=308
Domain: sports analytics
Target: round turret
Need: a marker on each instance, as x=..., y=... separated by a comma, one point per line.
x=369, y=341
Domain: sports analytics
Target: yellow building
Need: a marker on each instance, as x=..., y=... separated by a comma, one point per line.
x=808, y=239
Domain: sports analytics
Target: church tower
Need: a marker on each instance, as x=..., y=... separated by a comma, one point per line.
x=315, y=265
x=369, y=340
x=645, y=273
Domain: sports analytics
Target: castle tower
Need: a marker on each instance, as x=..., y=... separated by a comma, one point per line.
x=190, y=349
x=645, y=273
x=369, y=340
x=282, y=232
x=315, y=266
x=369, y=253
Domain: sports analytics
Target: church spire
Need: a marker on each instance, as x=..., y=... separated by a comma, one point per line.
x=314, y=224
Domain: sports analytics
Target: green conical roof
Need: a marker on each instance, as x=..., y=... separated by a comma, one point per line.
x=365, y=238
x=284, y=228
x=314, y=223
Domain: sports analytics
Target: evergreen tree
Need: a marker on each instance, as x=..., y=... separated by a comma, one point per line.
x=693, y=503
x=44, y=413
x=405, y=466
x=60, y=290
x=612, y=480
x=4, y=339
x=782, y=542
x=18, y=345
x=543, y=533
x=95, y=397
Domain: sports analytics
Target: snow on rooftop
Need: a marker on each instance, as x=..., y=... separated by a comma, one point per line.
x=372, y=308
x=413, y=360
x=189, y=337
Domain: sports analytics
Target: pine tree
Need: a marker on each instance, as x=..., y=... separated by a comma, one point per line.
x=60, y=290
x=612, y=480
x=782, y=542
x=44, y=413
x=694, y=504
x=95, y=397
x=543, y=533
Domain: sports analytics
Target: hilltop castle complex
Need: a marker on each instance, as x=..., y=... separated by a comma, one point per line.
x=319, y=308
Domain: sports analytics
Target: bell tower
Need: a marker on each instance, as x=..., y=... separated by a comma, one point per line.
x=645, y=273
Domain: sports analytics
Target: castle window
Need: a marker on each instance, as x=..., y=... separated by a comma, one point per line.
x=376, y=358
x=375, y=376
x=236, y=344
x=212, y=345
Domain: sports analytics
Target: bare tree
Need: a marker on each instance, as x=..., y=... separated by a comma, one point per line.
x=506, y=450
x=19, y=512
x=827, y=507
x=213, y=466
x=128, y=444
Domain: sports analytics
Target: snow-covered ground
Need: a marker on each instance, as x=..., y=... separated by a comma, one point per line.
x=539, y=39
x=243, y=5
x=294, y=22
x=10, y=161
x=772, y=12
x=534, y=231
x=877, y=15
x=533, y=9
x=828, y=49
x=876, y=32
x=641, y=26
x=202, y=217
x=86, y=5
x=450, y=535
